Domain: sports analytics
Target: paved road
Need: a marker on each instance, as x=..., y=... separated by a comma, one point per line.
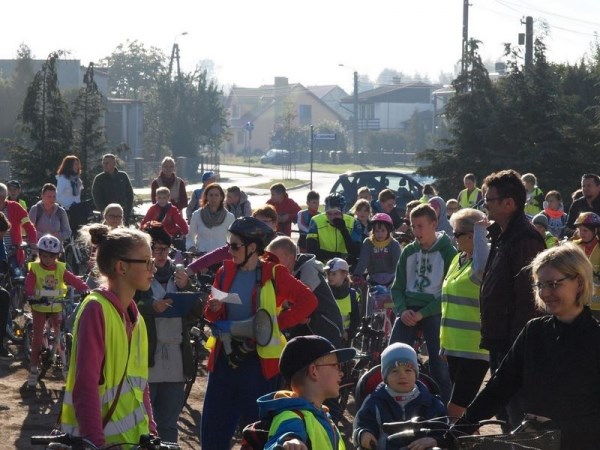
x=244, y=178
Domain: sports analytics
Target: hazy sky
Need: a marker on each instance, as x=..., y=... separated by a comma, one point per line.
x=252, y=42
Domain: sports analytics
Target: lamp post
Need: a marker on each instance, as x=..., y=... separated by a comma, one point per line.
x=355, y=135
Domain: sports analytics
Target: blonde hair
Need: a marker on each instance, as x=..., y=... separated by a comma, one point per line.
x=361, y=203
x=465, y=219
x=163, y=190
x=569, y=260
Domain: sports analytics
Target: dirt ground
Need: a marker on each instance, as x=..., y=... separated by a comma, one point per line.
x=24, y=413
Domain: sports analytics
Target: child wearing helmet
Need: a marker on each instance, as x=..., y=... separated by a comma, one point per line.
x=379, y=253
x=588, y=228
x=47, y=274
x=347, y=298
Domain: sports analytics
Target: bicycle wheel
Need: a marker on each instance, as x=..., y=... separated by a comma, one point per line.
x=197, y=359
x=28, y=338
x=15, y=324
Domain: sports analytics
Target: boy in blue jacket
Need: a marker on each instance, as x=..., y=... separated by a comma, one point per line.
x=312, y=367
x=399, y=398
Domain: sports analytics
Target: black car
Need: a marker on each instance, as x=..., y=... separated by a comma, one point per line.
x=406, y=186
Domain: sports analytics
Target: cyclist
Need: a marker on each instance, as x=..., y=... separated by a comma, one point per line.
x=47, y=274
x=5, y=354
x=304, y=216
x=113, y=215
x=588, y=227
x=14, y=193
x=48, y=216
x=553, y=365
x=17, y=217
x=169, y=179
x=379, y=253
x=238, y=378
x=166, y=213
x=107, y=399
x=334, y=234
x=348, y=298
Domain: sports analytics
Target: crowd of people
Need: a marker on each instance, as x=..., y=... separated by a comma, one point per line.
x=500, y=278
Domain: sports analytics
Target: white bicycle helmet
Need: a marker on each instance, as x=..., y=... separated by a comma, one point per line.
x=49, y=244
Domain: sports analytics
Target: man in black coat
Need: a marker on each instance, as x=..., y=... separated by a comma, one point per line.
x=507, y=300
x=590, y=186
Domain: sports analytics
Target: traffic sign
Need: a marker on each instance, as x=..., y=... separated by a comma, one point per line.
x=325, y=136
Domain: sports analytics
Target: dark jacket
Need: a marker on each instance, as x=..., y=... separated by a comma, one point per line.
x=380, y=407
x=555, y=367
x=506, y=299
x=326, y=319
x=113, y=188
x=577, y=207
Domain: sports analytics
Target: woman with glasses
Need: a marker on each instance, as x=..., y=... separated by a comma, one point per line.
x=113, y=215
x=246, y=371
x=460, y=325
x=209, y=224
x=169, y=349
x=107, y=399
x=554, y=364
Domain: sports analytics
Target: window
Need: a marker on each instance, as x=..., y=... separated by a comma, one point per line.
x=304, y=114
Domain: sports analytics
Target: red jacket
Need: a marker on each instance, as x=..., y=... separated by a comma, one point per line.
x=173, y=222
x=287, y=288
x=287, y=206
x=18, y=217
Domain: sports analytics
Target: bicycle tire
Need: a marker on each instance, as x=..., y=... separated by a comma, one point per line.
x=189, y=383
x=16, y=315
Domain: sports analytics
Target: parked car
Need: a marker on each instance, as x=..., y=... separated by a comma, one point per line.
x=407, y=186
x=275, y=156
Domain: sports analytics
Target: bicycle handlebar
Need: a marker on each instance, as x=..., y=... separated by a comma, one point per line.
x=147, y=442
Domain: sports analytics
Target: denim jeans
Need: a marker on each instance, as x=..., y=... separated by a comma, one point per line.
x=167, y=403
x=231, y=398
x=431, y=333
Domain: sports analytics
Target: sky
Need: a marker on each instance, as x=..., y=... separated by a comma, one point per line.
x=314, y=42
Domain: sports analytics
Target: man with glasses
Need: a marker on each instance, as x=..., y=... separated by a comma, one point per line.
x=590, y=185
x=334, y=234
x=507, y=301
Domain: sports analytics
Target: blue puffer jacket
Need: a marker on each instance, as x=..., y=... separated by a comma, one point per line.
x=380, y=407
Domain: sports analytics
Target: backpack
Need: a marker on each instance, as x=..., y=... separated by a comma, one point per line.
x=256, y=434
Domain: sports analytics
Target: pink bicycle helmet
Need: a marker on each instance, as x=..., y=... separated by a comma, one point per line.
x=383, y=218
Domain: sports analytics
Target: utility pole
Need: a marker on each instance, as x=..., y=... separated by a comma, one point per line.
x=465, y=36
x=355, y=139
x=528, y=42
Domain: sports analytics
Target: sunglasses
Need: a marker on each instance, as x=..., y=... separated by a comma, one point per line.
x=149, y=262
x=235, y=247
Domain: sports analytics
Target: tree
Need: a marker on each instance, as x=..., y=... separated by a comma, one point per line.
x=134, y=70
x=89, y=137
x=46, y=124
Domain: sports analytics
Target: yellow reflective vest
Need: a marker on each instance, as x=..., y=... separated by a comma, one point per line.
x=466, y=200
x=329, y=237
x=129, y=419
x=268, y=302
x=319, y=439
x=460, y=331
x=52, y=280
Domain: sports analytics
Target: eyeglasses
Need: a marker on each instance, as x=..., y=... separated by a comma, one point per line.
x=492, y=199
x=149, y=262
x=235, y=247
x=459, y=234
x=158, y=249
x=552, y=284
x=338, y=365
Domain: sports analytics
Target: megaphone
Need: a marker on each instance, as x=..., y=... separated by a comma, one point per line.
x=259, y=328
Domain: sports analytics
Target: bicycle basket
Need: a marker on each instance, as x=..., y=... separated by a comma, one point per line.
x=543, y=440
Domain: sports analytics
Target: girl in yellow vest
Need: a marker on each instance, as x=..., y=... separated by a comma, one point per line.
x=47, y=274
x=588, y=226
x=106, y=396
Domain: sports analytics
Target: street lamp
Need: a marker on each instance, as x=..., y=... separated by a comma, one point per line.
x=355, y=137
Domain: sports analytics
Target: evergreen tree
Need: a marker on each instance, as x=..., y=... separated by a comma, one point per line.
x=46, y=123
x=89, y=138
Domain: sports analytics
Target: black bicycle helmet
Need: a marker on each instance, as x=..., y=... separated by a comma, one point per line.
x=250, y=229
x=335, y=200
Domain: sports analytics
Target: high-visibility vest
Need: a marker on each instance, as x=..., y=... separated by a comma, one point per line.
x=268, y=302
x=319, y=439
x=345, y=305
x=460, y=331
x=330, y=238
x=129, y=419
x=52, y=280
x=534, y=208
x=466, y=200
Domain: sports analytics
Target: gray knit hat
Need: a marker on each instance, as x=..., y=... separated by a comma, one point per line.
x=540, y=219
x=395, y=354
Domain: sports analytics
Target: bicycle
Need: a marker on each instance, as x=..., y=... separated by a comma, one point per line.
x=55, y=351
x=13, y=280
x=66, y=441
x=534, y=432
x=76, y=257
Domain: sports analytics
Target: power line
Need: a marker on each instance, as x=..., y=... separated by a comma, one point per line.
x=549, y=13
